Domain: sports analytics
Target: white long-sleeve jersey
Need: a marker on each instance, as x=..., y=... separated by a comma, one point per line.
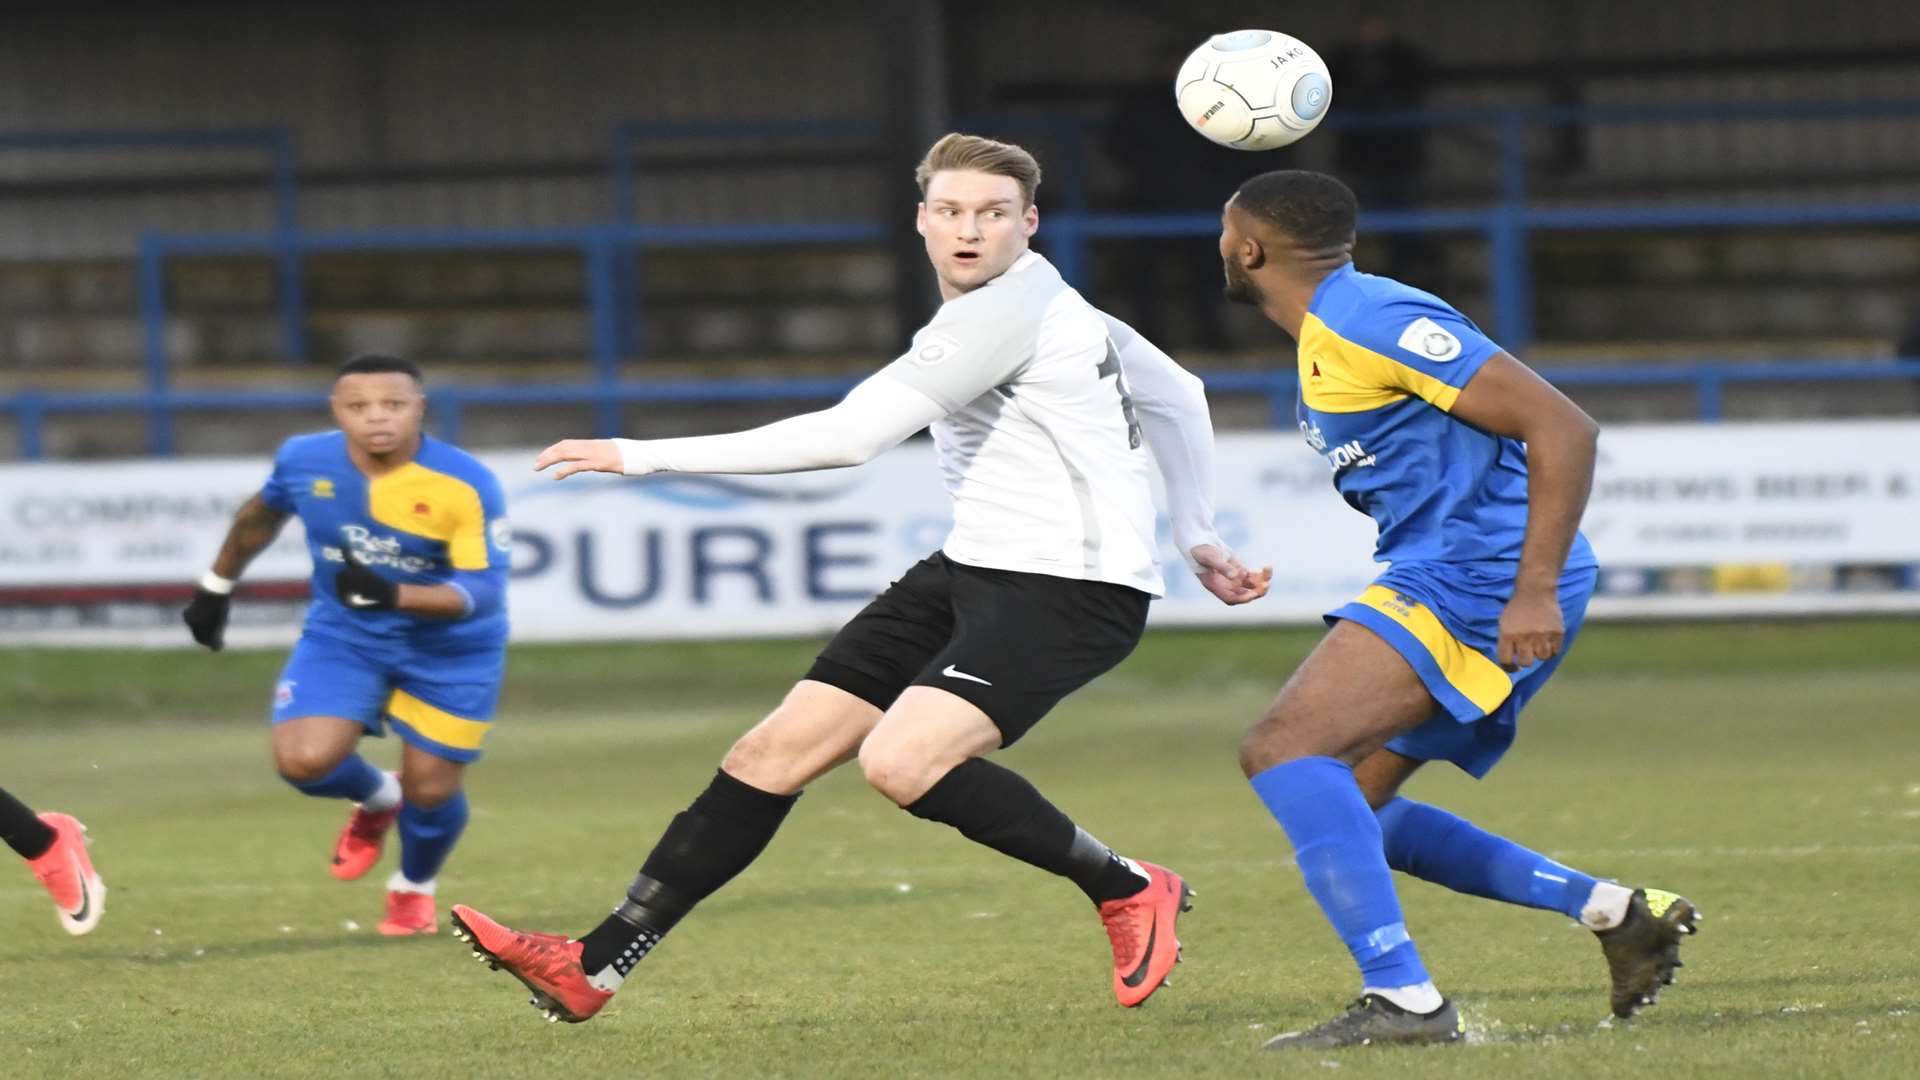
x=1042, y=409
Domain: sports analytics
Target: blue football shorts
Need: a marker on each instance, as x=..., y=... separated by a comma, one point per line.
x=1444, y=618
x=442, y=703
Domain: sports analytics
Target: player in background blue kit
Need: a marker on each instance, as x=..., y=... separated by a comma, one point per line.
x=408, y=624
x=1477, y=472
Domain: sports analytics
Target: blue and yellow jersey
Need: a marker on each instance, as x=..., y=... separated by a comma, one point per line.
x=438, y=520
x=1381, y=365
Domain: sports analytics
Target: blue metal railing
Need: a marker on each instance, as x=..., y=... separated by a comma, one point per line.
x=612, y=251
x=451, y=401
x=1506, y=223
x=602, y=247
x=1506, y=229
x=599, y=245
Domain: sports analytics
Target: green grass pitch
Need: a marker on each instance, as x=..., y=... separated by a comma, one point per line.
x=1769, y=771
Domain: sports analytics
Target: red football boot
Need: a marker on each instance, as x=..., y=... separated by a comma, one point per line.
x=360, y=841
x=68, y=875
x=409, y=914
x=1143, y=929
x=547, y=964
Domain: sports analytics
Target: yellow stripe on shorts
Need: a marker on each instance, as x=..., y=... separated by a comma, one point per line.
x=1467, y=669
x=440, y=726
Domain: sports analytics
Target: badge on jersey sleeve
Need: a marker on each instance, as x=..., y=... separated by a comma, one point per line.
x=931, y=347
x=1430, y=341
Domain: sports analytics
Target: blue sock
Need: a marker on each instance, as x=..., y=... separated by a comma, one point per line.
x=427, y=836
x=1436, y=846
x=1336, y=841
x=355, y=778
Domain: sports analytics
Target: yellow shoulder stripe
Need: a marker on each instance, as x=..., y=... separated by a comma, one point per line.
x=418, y=500
x=1340, y=376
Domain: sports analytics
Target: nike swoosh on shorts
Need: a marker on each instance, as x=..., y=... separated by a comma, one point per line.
x=952, y=672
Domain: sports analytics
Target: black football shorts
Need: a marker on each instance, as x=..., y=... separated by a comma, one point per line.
x=1011, y=643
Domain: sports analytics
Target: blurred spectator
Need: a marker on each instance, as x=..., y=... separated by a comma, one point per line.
x=1380, y=72
x=1907, y=347
x=1568, y=153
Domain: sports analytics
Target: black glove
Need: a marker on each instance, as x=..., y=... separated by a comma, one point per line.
x=361, y=589
x=206, y=616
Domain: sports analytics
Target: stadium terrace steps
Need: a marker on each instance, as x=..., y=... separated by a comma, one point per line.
x=496, y=304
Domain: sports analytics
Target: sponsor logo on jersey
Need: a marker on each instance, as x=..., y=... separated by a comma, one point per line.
x=422, y=509
x=322, y=489
x=1349, y=454
x=500, y=534
x=376, y=551
x=1430, y=341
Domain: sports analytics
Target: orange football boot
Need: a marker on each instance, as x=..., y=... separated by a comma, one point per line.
x=1143, y=929
x=547, y=964
x=409, y=913
x=68, y=875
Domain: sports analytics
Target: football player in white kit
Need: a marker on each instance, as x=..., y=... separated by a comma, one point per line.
x=1041, y=409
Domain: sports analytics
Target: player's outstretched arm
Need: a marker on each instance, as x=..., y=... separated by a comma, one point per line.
x=1507, y=398
x=875, y=416
x=1171, y=404
x=254, y=527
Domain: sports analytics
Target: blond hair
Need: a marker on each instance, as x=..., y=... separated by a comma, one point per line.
x=973, y=153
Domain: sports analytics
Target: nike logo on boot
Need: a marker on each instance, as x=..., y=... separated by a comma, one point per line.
x=1140, y=973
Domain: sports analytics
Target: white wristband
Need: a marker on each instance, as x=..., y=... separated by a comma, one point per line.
x=214, y=583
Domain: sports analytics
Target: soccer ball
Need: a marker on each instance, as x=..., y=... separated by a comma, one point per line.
x=1253, y=89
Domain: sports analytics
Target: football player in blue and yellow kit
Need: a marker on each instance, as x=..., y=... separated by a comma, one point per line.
x=1477, y=472
x=408, y=624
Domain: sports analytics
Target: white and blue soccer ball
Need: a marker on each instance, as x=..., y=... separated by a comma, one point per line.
x=1254, y=89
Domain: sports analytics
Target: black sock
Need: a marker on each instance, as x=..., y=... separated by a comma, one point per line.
x=997, y=807
x=22, y=829
x=709, y=842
